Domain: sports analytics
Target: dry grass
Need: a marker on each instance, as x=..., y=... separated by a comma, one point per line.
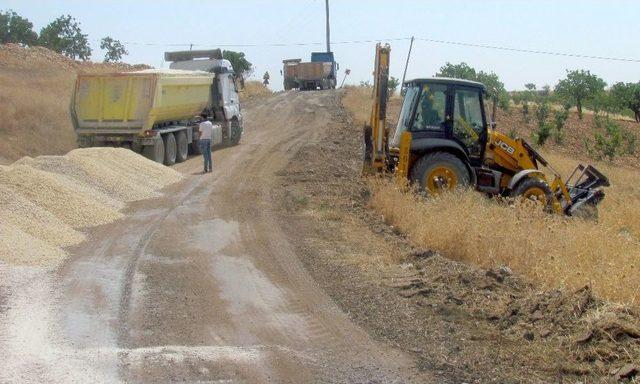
x=357, y=101
x=34, y=106
x=36, y=85
x=254, y=89
x=552, y=250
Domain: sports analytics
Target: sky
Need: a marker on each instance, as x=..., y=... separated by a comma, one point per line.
x=149, y=28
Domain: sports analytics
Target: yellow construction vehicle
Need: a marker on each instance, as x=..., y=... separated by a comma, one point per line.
x=443, y=141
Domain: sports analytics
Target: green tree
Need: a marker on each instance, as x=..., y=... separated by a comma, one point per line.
x=64, y=36
x=495, y=91
x=494, y=87
x=627, y=95
x=544, y=128
x=115, y=49
x=241, y=66
x=457, y=71
x=580, y=86
x=16, y=29
x=392, y=85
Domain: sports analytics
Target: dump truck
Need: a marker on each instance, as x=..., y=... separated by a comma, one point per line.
x=289, y=73
x=319, y=73
x=155, y=112
x=443, y=141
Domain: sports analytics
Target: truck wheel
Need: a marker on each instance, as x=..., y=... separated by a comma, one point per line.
x=194, y=147
x=182, y=146
x=439, y=172
x=534, y=189
x=154, y=152
x=170, y=149
x=236, y=132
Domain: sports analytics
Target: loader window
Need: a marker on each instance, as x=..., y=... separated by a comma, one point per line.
x=430, y=114
x=405, y=114
x=467, y=120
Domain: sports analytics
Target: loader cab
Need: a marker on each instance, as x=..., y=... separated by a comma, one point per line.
x=444, y=115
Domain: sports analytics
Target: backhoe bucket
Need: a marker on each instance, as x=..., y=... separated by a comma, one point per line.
x=584, y=186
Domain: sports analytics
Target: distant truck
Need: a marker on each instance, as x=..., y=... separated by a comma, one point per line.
x=319, y=73
x=155, y=112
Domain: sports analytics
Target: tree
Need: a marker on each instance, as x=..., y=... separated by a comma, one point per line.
x=16, y=29
x=115, y=49
x=580, y=86
x=495, y=88
x=241, y=66
x=627, y=95
x=64, y=36
x=392, y=85
x=495, y=91
x=457, y=71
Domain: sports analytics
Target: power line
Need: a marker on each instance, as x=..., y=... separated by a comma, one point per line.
x=261, y=45
x=448, y=42
x=524, y=50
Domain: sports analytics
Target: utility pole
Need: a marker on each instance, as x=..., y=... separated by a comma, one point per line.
x=328, y=32
x=407, y=64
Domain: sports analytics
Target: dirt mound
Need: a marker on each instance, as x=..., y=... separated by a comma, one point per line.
x=14, y=56
x=35, y=92
x=595, y=333
x=49, y=198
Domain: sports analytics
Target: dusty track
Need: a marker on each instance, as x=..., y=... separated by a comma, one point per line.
x=201, y=285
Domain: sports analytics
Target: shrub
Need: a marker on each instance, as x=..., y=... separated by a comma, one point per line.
x=611, y=140
x=559, y=118
x=543, y=133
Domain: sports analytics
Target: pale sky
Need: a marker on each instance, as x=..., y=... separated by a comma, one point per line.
x=598, y=28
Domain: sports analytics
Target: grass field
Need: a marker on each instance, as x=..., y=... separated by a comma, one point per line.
x=555, y=251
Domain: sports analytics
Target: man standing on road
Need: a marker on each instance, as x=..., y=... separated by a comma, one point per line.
x=206, y=129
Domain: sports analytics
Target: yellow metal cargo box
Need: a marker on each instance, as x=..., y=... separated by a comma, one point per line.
x=133, y=102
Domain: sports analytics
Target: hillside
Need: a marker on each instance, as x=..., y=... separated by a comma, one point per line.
x=35, y=92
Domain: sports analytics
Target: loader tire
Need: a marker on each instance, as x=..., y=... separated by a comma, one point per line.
x=534, y=189
x=182, y=147
x=154, y=152
x=170, y=149
x=439, y=172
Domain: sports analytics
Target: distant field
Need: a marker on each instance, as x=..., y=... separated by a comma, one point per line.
x=552, y=250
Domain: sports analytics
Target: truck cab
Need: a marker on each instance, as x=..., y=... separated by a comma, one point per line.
x=327, y=57
x=225, y=106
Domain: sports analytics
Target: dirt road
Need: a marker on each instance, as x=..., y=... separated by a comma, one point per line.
x=201, y=285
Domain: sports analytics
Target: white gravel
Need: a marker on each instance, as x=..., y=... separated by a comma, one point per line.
x=45, y=201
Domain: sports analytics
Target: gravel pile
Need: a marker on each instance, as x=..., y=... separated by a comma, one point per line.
x=36, y=221
x=44, y=201
x=18, y=247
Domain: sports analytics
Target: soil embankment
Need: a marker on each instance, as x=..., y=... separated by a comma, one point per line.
x=36, y=85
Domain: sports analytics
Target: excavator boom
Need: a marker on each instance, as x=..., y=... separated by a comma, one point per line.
x=376, y=134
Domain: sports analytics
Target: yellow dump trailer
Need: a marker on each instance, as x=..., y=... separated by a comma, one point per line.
x=152, y=111
x=135, y=101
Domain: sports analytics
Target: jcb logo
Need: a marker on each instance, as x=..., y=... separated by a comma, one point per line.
x=510, y=150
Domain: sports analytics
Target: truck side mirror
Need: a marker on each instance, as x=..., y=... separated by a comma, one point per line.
x=281, y=71
x=338, y=66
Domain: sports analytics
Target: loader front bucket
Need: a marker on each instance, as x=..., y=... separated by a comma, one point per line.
x=585, y=189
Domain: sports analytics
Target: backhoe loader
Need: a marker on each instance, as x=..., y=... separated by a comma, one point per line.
x=443, y=141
